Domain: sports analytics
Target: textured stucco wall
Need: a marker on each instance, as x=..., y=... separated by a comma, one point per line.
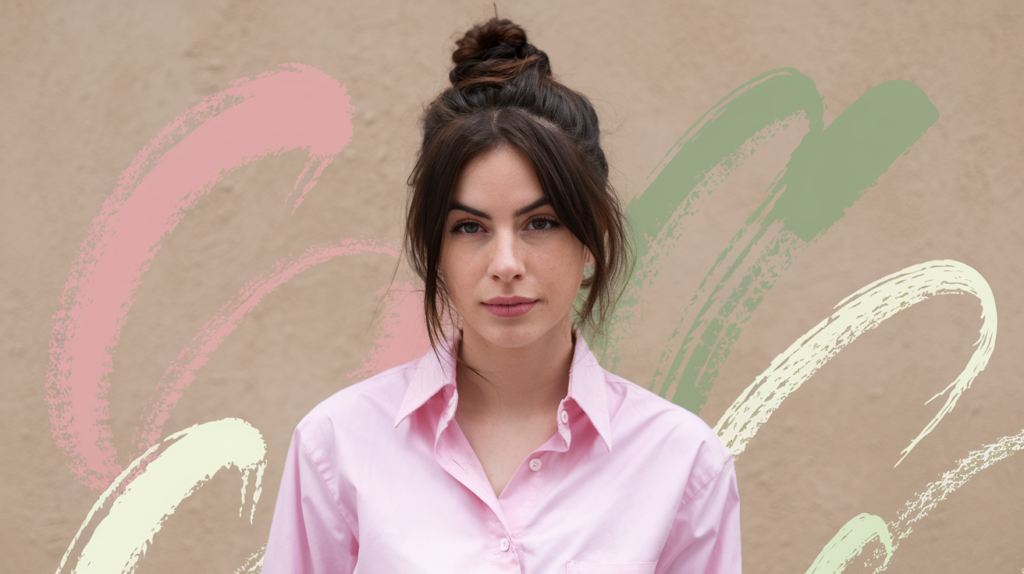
x=85, y=85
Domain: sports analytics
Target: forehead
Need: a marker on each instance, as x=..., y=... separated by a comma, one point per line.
x=500, y=178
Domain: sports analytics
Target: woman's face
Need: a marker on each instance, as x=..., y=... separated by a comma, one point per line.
x=511, y=269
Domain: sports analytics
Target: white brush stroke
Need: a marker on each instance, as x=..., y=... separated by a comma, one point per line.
x=951, y=480
x=254, y=564
x=916, y=509
x=863, y=310
x=186, y=460
x=850, y=541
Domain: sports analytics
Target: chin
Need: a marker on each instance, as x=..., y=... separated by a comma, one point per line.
x=514, y=335
x=510, y=337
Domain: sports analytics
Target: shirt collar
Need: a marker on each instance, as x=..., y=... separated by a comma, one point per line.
x=431, y=373
x=587, y=385
x=589, y=389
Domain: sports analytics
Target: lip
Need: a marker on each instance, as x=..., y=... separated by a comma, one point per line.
x=509, y=306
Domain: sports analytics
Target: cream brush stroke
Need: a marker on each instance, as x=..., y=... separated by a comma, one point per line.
x=864, y=528
x=150, y=489
x=950, y=481
x=850, y=541
x=861, y=311
x=914, y=510
x=254, y=564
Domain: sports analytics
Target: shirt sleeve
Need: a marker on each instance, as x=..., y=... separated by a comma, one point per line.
x=705, y=537
x=311, y=532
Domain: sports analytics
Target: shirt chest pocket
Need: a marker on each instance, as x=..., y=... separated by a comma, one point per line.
x=574, y=567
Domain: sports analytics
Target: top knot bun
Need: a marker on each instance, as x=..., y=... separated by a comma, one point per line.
x=493, y=53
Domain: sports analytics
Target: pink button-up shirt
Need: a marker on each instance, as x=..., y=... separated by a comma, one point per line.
x=380, y=479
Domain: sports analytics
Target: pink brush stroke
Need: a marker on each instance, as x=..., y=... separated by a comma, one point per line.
x=182, y=371
x=295, y=107
x=401, y=334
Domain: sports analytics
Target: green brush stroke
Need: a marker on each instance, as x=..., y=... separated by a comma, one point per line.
x=831, y=169
x=827, y=173
x=713, y=139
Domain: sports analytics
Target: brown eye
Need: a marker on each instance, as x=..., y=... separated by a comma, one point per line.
x=467, y=227
x=542, y=224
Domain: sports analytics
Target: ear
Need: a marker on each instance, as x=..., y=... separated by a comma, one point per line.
x=588, y=257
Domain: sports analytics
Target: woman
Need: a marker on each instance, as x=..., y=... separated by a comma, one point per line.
x=508, y=448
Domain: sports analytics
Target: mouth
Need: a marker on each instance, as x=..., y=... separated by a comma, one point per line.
x=509, y=306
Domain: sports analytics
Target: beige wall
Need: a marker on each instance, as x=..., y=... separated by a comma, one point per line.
x=86, y=85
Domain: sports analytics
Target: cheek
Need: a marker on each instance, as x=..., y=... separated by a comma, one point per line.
x=565, y=269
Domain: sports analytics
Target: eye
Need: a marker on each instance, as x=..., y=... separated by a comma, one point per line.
x=541, y=224
x=466, y=227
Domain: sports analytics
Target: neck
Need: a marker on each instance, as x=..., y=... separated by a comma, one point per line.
x=517, y=382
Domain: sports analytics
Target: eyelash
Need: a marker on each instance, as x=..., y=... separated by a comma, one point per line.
x=457, y=228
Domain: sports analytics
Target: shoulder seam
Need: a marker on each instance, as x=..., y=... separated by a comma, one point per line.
x=713, y=478
x=349, y=520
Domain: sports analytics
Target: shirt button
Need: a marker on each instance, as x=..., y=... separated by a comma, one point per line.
x=504, y=544
x=535, y=464
x=564, y=416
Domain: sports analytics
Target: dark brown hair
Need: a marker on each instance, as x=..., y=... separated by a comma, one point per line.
x=503, y=93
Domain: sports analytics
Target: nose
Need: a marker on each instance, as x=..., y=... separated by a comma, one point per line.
x=506, y=258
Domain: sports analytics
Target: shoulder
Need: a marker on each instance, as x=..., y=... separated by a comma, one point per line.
x=363, y=408
x=640, y=407
x=640, y=417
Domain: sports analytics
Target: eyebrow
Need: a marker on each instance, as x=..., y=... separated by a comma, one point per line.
x=521, y=211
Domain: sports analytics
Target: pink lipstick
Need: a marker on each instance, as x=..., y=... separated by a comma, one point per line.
x=509, y=306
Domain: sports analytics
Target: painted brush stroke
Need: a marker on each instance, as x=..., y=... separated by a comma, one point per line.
x=948, y=483
x=683, y=178
x=254, y=564
x=245, y=123
x=295, y=107
x=861, y=311
x=850, y=541
x=827, y=173
x=401, y=332
x=136, y=505
x=182, y=371
x=854, y=536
